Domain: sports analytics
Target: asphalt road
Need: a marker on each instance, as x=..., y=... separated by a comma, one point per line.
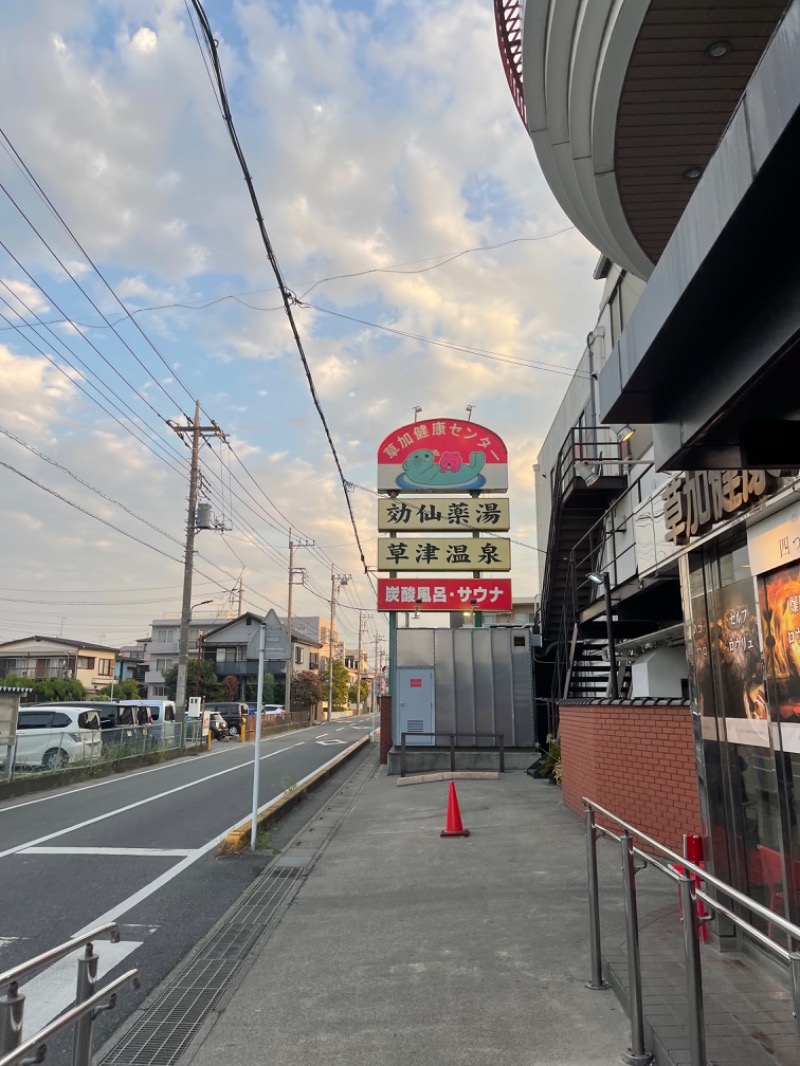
x=139, y=849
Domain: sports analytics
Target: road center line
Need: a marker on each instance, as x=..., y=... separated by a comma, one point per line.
x=116, y=912
x=159, y=853
x=138, y=803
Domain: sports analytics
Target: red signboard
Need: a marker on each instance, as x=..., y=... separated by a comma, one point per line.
x=444, y=594
x=416, y=682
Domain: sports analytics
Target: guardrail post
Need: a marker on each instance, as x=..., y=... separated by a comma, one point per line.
x=638, y=1055
x=10, y=754
x=87, y=976
x=597, y=981
x=694, y=974
x=12, y=1005
x=794, y=961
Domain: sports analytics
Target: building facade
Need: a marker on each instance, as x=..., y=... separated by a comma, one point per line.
x=233, y=648
x=670, y=140
x=40, y=658
x=161, y=649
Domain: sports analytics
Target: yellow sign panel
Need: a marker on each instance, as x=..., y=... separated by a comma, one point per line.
x=444, y=515
x=421, y=554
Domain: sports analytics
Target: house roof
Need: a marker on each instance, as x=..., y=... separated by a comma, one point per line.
x=297, y=638
x=88, y=645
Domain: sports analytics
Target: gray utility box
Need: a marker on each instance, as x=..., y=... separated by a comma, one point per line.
x=464, y=681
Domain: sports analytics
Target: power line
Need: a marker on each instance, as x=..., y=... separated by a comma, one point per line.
x=483, y=353
x=90, y=514
x=394, y=268
x=288, y=298
x=90, y=384
x=94, y=267
x=86, y=484
x=449, y=258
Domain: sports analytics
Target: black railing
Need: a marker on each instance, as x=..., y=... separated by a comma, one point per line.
x=452, y=737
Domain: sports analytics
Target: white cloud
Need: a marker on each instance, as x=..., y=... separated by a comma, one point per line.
x=372, y=142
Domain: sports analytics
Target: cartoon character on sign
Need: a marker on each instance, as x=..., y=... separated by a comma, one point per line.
x=427, y=466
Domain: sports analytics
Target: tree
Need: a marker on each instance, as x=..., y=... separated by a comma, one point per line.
x=48, y=689
x=306, y=688
x=123, y=690
x=268, y=693
x=341, y=684
x=353, y=695
x=210, y=685
x=230, y=688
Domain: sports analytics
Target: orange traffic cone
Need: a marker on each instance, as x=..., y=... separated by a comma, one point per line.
x=454, y=827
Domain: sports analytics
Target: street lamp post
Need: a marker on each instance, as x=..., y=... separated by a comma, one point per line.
x=603, y=579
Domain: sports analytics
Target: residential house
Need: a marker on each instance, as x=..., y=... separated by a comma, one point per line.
x=161, y=649
x=56, y=657
x=233, y=649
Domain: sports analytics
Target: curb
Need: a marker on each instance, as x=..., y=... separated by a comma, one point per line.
x=239, y=837
x=447, y=775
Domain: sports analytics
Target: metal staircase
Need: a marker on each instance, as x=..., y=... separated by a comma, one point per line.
x=572, y=661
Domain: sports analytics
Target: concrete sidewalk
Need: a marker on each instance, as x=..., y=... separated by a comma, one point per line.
x=403, y=947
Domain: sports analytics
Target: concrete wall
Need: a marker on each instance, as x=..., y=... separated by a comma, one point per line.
x=637, y=761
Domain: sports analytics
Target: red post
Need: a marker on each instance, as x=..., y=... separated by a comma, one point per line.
x=693, y=851
x=385, y=703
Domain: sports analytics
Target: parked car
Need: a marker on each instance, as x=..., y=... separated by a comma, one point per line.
x=217, y=725
x=53, y=736
x=232, y=713
x=273, y=710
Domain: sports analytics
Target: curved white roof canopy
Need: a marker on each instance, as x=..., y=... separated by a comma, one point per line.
x=625, y=103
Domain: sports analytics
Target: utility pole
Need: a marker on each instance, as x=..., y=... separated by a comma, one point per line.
x=287, y=699
x=358, y=664
x=334, y=582
x=197, y=432
x=241, y=596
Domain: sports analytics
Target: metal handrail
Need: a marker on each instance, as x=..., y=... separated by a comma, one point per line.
x=689, y=876
x=110, y=929
x=734, y=894
x=499, y=737
x=36, y=1043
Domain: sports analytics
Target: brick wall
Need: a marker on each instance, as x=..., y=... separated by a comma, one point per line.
x=385, y=704
x=636, y=761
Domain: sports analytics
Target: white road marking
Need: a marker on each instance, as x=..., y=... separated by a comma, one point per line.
x=321, y=735
x=6, y=940
x=167, y=853
x=53, y=990
x=340, y=729
x=116, y=912
x=327, y=743
x=138, y=803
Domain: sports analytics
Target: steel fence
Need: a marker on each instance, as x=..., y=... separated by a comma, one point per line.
x=49, y=751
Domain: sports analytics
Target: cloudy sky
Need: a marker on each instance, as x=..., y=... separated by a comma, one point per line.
x=383, y=140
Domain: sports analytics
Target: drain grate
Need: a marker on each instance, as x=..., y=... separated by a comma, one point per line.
x=161, y=1034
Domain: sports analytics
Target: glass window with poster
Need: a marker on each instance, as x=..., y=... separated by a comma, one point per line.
x=779, y=599
x=737, y=767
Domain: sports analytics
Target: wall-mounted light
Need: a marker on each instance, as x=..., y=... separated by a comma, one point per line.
x=594, y=475
x=693, y=173
x=718, y=49
x=625, y=433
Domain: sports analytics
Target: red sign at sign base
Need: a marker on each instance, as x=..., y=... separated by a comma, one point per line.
x=444, y=594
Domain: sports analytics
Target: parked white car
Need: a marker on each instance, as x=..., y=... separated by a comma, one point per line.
x=53, y=737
